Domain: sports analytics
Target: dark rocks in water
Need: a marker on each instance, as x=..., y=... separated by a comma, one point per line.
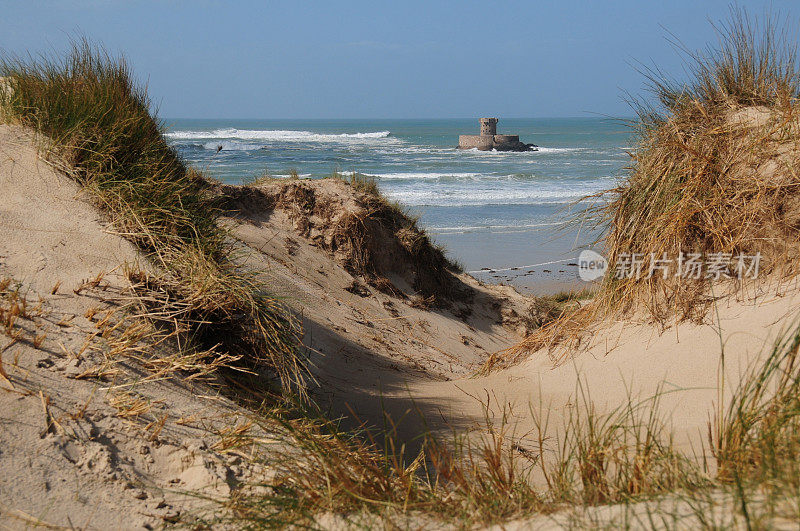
x=514, y=146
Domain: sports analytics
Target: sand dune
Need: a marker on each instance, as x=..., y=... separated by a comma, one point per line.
x=376, y=355
x=363, y=344
x=377, y=352
x=68, y=457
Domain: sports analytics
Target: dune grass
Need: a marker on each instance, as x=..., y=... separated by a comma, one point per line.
x=744, y=474
x=713, y=166
x=362, y=183
x=388, y=220
x=98, y=126
x=713, y=174
x=759, y=435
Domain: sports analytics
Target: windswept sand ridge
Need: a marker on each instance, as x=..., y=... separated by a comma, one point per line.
x=91, y=467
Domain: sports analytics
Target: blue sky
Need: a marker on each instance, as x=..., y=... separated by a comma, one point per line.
x=378, y=59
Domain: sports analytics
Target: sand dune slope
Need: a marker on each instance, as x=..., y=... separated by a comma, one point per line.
x=627, y=362
x=368, y=346
x=72, y=452
x=377, y=355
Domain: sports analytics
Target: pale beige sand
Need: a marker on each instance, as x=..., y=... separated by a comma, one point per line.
x=373, y=355
x=635, y=360
x=94, y=470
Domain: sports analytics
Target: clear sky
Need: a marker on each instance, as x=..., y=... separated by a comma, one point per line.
x=375, y=58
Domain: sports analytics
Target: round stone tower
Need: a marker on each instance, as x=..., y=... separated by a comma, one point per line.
x=488, y=126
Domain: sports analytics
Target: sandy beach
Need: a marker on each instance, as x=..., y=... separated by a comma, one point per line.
x=539, y=261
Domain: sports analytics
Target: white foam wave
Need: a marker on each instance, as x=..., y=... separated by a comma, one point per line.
x=487, y=193
x=483, y=176
x=490, y=228
x=275, y=135
x=559, y=150
x=540, y=150
x=483, y=197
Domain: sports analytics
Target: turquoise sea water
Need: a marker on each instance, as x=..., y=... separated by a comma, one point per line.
x=494, y=210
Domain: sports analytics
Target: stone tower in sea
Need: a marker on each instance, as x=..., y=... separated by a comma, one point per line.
x=488, y=126
x=489, y=139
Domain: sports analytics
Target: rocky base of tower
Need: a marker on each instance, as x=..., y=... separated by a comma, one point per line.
x=494, y=142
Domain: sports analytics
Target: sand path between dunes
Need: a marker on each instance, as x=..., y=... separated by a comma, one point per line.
x=626, y=363
x=389, y=364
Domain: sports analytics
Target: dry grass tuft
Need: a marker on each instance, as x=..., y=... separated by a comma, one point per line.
x=129, y=405
x=15, y=308
x=714, y=171
x=100, y=131
x=234, y=437
x=757, y=440
x=484, y=478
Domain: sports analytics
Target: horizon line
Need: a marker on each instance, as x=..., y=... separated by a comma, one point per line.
x=609, y=117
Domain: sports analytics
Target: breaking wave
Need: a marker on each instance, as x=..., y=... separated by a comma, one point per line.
x=479, y=196
x=275, y=135
x=421, y=175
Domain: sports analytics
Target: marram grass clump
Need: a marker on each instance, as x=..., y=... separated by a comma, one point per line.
x=714, y=178
x=715, y=171
x=471, y=480
x=96, y=125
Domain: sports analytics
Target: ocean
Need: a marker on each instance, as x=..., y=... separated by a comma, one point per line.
x=505, y=217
